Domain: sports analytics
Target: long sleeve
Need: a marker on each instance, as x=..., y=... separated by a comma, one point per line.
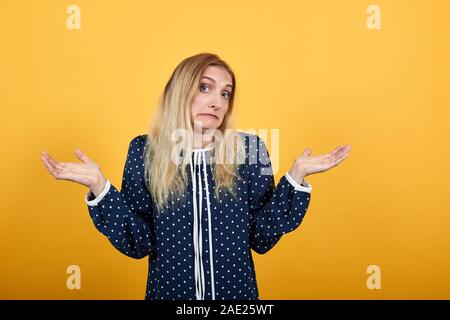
x=274, y=210
x=125, y=217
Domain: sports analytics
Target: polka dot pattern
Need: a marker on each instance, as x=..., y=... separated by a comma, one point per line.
x=257, y=218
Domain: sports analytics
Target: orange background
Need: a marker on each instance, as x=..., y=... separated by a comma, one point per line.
x=309, y=68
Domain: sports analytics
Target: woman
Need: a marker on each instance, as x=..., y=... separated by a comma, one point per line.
x=197, y=196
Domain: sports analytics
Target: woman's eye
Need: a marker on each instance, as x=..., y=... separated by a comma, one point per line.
x=203, y=87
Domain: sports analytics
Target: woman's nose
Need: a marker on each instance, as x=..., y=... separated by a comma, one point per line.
x=216, y=103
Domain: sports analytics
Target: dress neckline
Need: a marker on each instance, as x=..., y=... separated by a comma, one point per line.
x=208, y=147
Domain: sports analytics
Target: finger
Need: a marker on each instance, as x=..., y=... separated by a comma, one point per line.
x=335, y=160
x=328, y=164
x=322, y=157
x=47, y=161
x=55, y=163
x=306, y=152
x=341, y=157
x=68, y=166
x=345, y=148
x=60, y=168
x=58, y=165
x=73, y=168
x=336, y=153
x=80, y=155
x=66, y=174
x=47, y=165
x=335, y=149
x=344, y=152
x=48, y=156
x=333, y=152
x=50, y=167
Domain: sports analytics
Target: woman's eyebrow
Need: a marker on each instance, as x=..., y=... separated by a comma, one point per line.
x=227, y=85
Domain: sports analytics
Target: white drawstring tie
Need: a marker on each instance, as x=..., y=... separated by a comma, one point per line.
x=199, y=157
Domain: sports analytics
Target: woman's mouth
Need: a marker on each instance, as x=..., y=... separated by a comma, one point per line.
x=209, y=115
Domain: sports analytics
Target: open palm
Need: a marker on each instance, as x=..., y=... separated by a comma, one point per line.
x=87, y=172
x=308, y=164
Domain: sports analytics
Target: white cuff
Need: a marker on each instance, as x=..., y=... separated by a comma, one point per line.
x=100, y=196
x=297, y=186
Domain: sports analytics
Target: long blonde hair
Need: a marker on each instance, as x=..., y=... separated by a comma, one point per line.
x=166, y=180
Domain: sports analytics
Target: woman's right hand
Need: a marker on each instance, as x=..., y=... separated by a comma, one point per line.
x=87, y=172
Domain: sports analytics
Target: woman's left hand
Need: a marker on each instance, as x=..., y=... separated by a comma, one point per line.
x=306, y=165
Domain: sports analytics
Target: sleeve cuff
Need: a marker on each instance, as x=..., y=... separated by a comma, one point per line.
x=95, y=201
x=298, y=187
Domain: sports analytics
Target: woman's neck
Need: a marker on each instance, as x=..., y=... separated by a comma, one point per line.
x=202, y=141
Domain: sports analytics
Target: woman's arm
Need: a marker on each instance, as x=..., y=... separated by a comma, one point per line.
x=274, y=210
x=125, y=217
x=278, y=210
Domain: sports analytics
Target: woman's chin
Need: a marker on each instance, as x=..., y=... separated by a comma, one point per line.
x=210, y=127
x=210, y=124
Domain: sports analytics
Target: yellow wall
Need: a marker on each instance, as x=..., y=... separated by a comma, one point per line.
x=310, y=68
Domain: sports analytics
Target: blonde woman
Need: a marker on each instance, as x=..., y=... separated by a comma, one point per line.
x=195, y=195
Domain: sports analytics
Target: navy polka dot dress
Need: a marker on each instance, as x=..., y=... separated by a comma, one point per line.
x=199, y=247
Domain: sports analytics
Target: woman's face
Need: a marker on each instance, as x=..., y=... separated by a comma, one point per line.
x=210, y=103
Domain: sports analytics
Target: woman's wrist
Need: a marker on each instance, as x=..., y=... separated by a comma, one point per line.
x=298, y=176
x=98, y=187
